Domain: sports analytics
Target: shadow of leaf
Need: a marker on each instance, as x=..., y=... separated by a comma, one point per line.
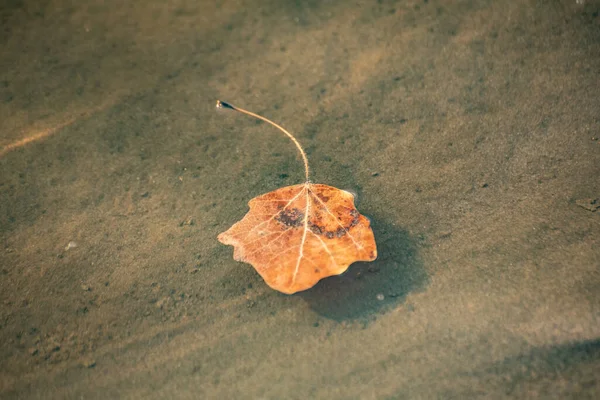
x=370, y=288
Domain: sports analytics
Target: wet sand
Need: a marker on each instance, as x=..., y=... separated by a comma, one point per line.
x=468, y=129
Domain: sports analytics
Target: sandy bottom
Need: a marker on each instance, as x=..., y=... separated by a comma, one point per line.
x=468, y=129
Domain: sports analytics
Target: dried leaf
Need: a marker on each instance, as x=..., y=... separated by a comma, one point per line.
x=297, y=235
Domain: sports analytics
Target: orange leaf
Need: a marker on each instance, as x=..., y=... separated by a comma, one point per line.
x=297, y=235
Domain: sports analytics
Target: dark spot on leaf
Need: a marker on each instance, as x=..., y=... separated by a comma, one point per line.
x=340, y=232
x=316, y=229
x=324, y=198
x=292, y=218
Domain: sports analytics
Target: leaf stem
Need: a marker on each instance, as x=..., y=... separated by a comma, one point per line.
x=222, y=104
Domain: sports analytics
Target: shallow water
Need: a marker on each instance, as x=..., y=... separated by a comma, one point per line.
x=468, y=129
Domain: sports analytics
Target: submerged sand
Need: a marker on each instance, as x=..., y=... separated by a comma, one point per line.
x=468, y=129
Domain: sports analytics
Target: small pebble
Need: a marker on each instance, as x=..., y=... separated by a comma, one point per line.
x=71, y=245
x=189, y=222
x=88, y=363
x=380, y=297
